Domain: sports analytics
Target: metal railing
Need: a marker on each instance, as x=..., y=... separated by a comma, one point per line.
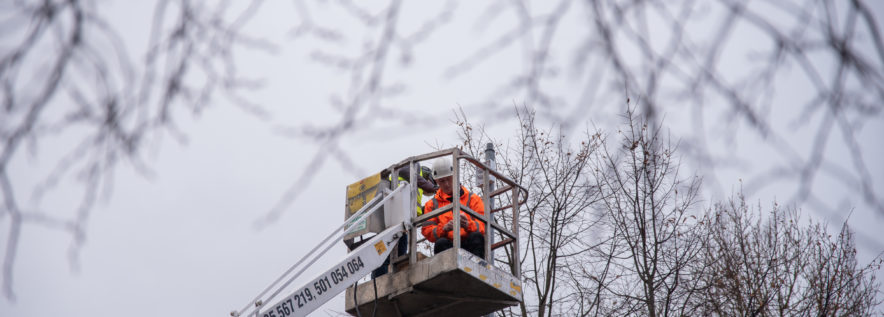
x=518, y=195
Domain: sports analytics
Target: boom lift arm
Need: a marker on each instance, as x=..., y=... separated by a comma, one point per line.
x=358, y=263
x=335, y=280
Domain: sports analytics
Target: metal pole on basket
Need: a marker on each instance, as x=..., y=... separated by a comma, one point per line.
x=489, y=160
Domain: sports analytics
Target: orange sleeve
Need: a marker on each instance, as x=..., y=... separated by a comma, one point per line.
x=471, y=223
x=431, y=229
x=479, y=207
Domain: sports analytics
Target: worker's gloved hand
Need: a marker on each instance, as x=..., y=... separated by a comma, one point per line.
x=448, y=226
x=426, y=185
x=464, y=221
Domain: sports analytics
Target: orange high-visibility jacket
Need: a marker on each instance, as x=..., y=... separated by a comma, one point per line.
x=434, y=228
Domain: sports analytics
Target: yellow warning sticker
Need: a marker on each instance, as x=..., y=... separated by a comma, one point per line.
x=497, y=285
x=483, y=277
x=467, y=269
x=380, y=247
x=515, y=287
x=361, y=192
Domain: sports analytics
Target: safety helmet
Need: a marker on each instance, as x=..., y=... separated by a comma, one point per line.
x=442, y=168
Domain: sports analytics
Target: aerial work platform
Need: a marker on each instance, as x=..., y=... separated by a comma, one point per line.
x=452, y=283
x=380, y=211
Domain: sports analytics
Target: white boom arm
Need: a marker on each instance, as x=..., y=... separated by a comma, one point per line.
x=321, y=289
x=368, y=256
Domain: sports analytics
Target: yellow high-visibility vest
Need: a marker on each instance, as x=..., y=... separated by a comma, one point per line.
x=420, y=193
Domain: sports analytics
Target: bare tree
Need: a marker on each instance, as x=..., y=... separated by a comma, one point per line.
x=613, y=229
x=837, y=285
x=557, y=213
x=752, y=267
x=780, y=265
x=650, y=212
x=555, y=170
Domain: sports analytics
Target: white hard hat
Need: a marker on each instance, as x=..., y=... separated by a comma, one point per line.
x=442, y=168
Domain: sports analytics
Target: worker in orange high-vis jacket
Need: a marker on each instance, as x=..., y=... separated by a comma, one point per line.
x=440, y=230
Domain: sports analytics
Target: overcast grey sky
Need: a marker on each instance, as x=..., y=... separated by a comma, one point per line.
x=181, y=238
